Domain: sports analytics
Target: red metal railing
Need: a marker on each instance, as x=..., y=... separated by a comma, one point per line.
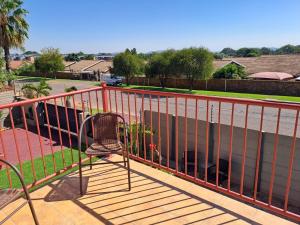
x=190, y=136
x=37, y=141
x=241, y=117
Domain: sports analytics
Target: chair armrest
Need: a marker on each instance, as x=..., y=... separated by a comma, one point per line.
x=17, y=173
x=81, y=131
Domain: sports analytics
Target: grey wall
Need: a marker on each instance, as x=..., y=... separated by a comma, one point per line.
x=267, y=149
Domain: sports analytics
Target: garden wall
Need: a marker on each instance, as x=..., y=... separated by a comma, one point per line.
x=267, y=148
x=289, y=88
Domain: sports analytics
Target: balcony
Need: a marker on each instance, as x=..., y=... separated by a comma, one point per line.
x=195, y=159
x=156, y=198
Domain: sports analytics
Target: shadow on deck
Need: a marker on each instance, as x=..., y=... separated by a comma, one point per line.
x=156, y=198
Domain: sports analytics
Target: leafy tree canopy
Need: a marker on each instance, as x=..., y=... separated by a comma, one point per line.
x=228, y=52
x=49, y=61
x=194, y=63
x=230, y=71
x=160, y=64
x=128, y=65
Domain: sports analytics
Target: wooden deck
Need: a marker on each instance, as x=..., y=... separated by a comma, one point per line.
x=156, y=198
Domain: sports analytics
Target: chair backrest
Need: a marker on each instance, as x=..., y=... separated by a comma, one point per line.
x=106, y=128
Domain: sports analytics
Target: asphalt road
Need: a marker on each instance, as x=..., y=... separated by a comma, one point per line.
x=270, y=115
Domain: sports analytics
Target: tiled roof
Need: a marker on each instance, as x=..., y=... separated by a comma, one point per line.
x=274, y=63
x=82, y=65
x=103, y=67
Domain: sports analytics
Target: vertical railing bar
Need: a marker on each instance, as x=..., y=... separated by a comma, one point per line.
x=5, y=158
x=151, y=127
x=116, y=101
x=136, y=127
x=68, y=128
x=244, y=150
x=230, y=147
x=144, y=130
x=59, y=132
x=129, y=119
x=274, y=158
x=97, y=101
x=258, y=154
x=159, y=132
x=40, y=140
x=28, y=143
x=16, y=142
x=92, y=121
x=291, y=161
x=196, y=140
x=110, y=104
x=75, y=115
x=219, y=145
x=83, y=117
x=50, y=135
x=185, y=135
x=176, y=134
x=91, y=111
x=122, y=104
x=167, y=126
x=207, y=141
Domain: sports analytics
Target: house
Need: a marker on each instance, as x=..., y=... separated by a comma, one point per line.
x=271, y=76
x=280, y=63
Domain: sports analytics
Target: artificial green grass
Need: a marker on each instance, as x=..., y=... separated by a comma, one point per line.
x=39, y=168
x=218, y=93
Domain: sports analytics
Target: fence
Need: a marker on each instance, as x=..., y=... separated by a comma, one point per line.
x=241, y=148
x=42, y=134
x=288, y=88
x=204, y=139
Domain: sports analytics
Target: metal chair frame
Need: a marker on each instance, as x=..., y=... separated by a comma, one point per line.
x=25, y=190
x=125, y=150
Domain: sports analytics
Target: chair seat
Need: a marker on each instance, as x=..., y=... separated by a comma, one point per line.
x=105, y=149
x=8, y=195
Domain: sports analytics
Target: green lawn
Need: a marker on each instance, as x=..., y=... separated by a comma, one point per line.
x=38, y=164
x=218, y=93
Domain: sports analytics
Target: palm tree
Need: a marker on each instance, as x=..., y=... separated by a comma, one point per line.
x=13, y=26
x=36, y=91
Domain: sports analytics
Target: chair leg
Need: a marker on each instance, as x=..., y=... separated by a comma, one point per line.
x=80, y=178
x=31, y=208
x=128, y=169
x=124, y=160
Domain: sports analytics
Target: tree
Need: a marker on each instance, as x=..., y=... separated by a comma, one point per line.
x=194, y=63
x=36, y=90
x=50, y=61
x=228, y=52
x=13, y=26
x=72, y=57
x=230, y=71
x=288, y=49
x=266, y=51
x=248, y=52
x=160, y=65
x=128, y=65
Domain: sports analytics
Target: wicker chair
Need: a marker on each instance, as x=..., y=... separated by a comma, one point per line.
x=106, y=141
x=9, y=195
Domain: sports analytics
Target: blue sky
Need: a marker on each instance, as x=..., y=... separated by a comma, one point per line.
x=112, y=25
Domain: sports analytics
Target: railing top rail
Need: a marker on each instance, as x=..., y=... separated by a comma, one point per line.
x=50, y=97
x=211, y=98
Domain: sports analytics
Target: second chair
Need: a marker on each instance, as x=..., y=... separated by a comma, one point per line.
x=108, y=130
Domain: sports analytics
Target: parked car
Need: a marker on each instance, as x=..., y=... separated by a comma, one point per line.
x=113, y=80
